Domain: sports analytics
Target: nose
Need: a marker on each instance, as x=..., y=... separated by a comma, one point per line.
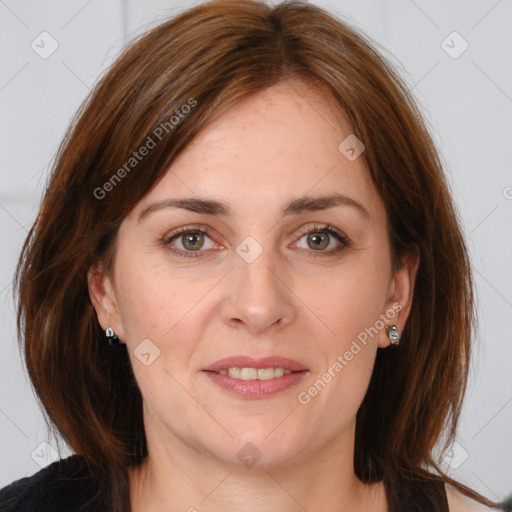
x=259, y=296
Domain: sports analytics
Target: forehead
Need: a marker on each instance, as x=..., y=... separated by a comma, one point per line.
x=275, y=145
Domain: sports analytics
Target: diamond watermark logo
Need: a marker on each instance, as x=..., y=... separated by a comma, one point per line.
x=249, y=249
x=249, y=455
x=147, y=352
x=456, y=455
x=44, y=45
x=454, y=45
x=44, y=454
x=351, y=147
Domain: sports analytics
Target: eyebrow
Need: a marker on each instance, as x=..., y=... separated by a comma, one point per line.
x=221, y=209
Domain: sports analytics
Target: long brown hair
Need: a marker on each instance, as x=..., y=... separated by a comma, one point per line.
x=208, y=58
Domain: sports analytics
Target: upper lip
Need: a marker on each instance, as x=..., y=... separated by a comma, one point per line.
x=249, y=362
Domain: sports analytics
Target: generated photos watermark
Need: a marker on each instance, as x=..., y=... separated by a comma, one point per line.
x=161, y=131
x=304, y=397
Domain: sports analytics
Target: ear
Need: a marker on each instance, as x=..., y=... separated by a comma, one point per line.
x=101, y=293
x=400, y=295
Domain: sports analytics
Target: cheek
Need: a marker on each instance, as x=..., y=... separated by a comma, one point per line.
x=155, y=306
x=351, y=312
x=144, y=308
x=350, y=307
x=349, y=300
x=166, y=308
x=152, y=300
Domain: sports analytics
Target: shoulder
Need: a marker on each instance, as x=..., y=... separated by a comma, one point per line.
x=458, y=502
x=62, y=486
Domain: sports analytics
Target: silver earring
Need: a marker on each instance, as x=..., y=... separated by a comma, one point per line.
x=111, y=336
x=393, y=333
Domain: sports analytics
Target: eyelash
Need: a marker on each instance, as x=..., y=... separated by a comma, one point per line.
x=326, y=228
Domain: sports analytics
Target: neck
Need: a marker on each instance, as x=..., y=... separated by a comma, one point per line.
x=179, y=477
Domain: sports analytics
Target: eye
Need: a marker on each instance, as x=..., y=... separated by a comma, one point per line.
x=192, y=240
x=319, y=238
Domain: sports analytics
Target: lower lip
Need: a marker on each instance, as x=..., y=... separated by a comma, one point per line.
x=256, y=388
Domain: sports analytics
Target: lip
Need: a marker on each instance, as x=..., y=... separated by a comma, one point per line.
x=241, y=361
x=255, y=389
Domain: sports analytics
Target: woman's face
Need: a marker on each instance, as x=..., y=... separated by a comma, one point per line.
x=257, y=284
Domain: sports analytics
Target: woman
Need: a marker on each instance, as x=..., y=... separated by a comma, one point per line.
x=247, y=284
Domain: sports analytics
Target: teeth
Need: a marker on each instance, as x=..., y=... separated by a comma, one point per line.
x=248, y=373
x=255, y=373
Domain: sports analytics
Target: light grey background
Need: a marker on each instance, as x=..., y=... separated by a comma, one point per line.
x=467, y=100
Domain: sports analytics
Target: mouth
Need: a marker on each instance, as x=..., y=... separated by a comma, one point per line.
x=254, y=388
x=250, y=373
x=246, y=366
x=251, y=378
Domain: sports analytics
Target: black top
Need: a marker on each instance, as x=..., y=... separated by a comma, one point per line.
x=64, y=486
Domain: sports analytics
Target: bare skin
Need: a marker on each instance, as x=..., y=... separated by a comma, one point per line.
x=275, y=146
